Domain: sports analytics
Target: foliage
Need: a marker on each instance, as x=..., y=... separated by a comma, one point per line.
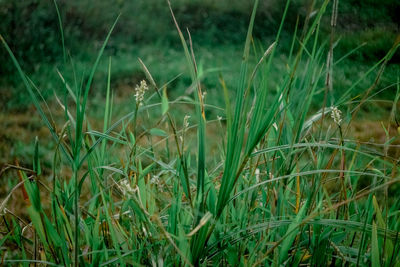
x=31, y=28
x=284, y=188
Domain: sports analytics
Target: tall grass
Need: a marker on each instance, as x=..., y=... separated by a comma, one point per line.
x=290, y=186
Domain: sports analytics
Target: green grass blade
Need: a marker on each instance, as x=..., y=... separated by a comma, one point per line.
x=61, y=30
x=375, y=247
x=34, y=98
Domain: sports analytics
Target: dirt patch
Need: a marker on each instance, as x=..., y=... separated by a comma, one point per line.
x=19, y=128
x=373, y=133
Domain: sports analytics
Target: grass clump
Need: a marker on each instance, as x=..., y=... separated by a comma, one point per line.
x=284, y=188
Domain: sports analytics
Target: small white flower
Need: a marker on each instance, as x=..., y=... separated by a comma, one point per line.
x=336, y=115
x=140, y=90
x=219, y=118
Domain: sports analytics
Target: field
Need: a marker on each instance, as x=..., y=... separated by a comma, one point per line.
x=196, y=133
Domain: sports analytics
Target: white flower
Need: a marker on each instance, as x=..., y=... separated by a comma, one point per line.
x=336, y=115
x=219, y=118
x=140, y=90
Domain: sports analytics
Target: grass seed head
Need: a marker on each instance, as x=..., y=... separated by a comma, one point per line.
x=203, y=95
x=186, y=123
x=126, y=188
x=140, y=90
x=336, y=115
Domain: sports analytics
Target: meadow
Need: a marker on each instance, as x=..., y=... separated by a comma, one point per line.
x=278, y=146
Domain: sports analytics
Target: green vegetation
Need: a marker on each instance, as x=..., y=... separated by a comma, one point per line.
x=252, y=166
x=145, y=30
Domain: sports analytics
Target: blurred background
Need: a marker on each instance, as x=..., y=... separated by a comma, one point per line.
x=146, y=30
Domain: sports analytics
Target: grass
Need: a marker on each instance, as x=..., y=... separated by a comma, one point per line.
x=37, y=43
x=286, y=185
